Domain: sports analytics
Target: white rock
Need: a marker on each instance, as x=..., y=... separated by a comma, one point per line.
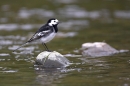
x=51, y=59
x=98, y=49
x=95, y=44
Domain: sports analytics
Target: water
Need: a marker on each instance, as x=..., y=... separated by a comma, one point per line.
x=82, y=21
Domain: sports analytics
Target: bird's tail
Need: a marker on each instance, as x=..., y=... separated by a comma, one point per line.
x=21, y=46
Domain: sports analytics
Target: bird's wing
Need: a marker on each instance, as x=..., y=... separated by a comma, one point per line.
x=41, y=33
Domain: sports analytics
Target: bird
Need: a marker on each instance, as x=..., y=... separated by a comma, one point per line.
x=45, y=34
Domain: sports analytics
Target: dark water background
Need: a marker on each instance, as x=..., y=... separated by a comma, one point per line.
x=82, y=21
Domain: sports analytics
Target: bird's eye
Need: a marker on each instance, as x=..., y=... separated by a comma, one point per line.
x=54, y=21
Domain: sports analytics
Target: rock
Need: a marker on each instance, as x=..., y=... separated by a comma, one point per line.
x=98, y=49
x=51, y=59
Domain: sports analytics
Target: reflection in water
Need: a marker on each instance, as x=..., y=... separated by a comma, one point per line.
x=94, y=62
x=48, y=76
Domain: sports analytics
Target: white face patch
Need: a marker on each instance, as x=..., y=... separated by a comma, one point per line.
x=53, y=22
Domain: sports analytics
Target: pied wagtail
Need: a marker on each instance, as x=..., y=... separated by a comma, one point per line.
x=45, y=34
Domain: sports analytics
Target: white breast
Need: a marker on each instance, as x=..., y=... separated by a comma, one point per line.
x=48, y=38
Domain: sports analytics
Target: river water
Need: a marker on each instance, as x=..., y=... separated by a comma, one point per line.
x=82, y=21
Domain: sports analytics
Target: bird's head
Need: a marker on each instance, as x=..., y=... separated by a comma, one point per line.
x=53, y=22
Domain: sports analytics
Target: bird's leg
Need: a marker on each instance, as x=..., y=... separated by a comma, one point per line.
x=45, y=46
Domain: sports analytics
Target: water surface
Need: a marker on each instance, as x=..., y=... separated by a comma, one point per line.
x=82, y=21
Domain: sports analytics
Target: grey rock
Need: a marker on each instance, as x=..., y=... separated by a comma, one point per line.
x=98, y=49
x=51, y=60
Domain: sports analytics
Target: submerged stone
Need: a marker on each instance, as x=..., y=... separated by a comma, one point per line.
x=98, y=49
x=51, y=59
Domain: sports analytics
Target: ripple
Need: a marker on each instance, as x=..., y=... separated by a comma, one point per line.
x=122, y=14
x=68, y=34
x=72, y=55
x=11, y=27
x=66, y=1
x=26, y=13
x=3, y=20
x=12, y=37
x=24, y=50
x=73, y=11
x=2, y=59
x=27, y=26
x=5, y=42
x=4, y=54
x=74, y=23
x=5, y=7
x=13, y=47
x=63, y=25
x=9, y=71
x=8, y=27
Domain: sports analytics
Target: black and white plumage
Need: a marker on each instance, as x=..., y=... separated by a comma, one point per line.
x=45, y=34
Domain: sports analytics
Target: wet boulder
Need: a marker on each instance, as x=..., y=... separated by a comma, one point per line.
x=98, y=49
x=51, y=60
